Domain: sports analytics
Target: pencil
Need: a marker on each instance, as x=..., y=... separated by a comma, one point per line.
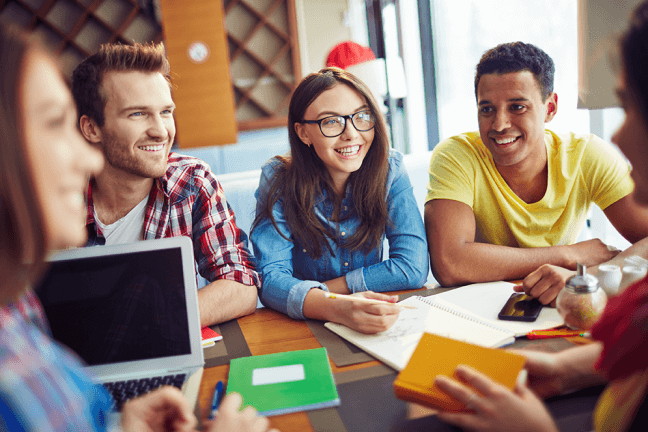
x=541, y=334
x=364, y=300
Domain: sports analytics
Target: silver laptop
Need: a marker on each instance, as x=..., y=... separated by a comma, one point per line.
x=130, y=312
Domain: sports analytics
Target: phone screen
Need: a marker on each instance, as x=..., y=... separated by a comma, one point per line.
x=520, y=307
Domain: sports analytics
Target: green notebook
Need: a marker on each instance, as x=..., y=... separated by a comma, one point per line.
x=284, y=382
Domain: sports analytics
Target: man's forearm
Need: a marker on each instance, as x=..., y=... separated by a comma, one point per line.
x=223, y=300
x=482, y=262
x=457, y=259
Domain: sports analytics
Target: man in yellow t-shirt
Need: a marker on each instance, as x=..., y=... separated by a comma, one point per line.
x=512, y=197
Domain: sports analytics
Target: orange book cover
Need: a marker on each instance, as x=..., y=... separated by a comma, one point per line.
x=437, y=355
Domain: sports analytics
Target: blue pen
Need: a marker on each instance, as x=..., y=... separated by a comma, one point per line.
x=218, y=396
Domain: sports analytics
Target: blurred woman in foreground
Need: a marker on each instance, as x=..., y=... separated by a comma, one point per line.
x=44, y=169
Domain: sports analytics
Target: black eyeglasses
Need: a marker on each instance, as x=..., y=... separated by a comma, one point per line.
x=335, y=125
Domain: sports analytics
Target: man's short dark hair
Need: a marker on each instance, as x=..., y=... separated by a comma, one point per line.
x=518, y=57
x=88, y=76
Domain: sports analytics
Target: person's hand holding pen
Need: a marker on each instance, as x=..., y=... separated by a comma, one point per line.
x=367, y=312
x=226, y=417
x=365, y=300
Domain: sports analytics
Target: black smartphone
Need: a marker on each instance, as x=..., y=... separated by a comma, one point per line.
x=520, y=307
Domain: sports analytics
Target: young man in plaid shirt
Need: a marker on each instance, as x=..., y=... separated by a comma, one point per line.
x=145, y=192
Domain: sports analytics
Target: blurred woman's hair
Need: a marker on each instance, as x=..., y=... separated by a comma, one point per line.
x=302, y=178
x=634, y=57
x=22, y=239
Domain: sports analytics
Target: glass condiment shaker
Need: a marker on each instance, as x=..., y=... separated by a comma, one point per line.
x=582, y=301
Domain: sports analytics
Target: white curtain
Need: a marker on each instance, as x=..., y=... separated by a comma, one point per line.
x=600, y=23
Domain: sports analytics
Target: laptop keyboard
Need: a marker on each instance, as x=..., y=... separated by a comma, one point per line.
x=122, y=391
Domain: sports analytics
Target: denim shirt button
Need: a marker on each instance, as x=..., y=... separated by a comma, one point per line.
x=343, y=233
x=304, y=250
x=346, y=264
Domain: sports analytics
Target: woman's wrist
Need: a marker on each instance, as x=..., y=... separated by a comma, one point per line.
x=317, y=306
x=575, y=366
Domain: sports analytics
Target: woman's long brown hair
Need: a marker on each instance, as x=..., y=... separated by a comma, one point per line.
x=22, y=239
x=302, y=178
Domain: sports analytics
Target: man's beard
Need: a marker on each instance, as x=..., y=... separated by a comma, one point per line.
x=117, y=157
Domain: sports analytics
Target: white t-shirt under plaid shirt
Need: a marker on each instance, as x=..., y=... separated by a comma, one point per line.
x=189, y=201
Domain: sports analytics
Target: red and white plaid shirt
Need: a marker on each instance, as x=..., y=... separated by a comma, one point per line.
x=189, y=201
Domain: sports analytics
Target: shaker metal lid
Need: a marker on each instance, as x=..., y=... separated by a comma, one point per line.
x=582, y=282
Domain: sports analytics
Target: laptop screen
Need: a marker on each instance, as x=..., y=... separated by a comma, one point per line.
x=118, y=308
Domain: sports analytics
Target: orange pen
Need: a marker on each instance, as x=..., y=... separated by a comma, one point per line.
x=548, y=334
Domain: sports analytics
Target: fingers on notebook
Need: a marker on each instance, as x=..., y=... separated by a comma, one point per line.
x=372, y=318
x=370, y=323
x=478, y=381
x=230, y=419
x=379, y=296
x=468, y=385
x=231, y=402
x=455, y=389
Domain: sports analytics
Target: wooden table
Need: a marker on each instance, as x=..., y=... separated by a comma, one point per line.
x=267, y=331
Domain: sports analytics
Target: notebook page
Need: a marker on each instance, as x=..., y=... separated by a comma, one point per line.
x=487, y=299
x=396, y=345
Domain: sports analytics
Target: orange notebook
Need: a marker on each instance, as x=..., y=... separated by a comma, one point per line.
x=437, y=355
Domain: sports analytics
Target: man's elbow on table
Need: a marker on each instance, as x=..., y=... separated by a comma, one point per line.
x=449, y=227
x=446, y=271
x=223, y=300
x=250, y=303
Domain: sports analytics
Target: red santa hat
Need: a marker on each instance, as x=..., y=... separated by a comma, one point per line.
x=348, y=54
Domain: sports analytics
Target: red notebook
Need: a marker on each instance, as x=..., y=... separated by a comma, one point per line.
x=209, y=336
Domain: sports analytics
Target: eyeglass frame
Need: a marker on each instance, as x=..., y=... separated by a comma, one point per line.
x=346, y=122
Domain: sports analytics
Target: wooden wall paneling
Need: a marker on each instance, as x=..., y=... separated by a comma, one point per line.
x=74, y=29
x=264, y=54
x=261, y=42
x=202, y=91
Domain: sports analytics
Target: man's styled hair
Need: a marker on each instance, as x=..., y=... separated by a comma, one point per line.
x=87, y=77
x=518, y=57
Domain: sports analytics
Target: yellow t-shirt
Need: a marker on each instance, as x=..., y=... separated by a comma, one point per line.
x=583, y=169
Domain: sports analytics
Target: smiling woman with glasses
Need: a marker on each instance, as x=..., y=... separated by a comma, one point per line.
x=324, y=211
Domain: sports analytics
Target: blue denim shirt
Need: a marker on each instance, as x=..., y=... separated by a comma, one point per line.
x=288, y=272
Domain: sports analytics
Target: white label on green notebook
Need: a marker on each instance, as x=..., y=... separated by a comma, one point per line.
x=278, y=374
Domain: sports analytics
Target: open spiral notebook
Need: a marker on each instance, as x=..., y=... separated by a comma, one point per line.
x=476, y=322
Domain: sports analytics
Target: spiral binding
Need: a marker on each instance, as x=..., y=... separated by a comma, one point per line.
x=430, y=301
